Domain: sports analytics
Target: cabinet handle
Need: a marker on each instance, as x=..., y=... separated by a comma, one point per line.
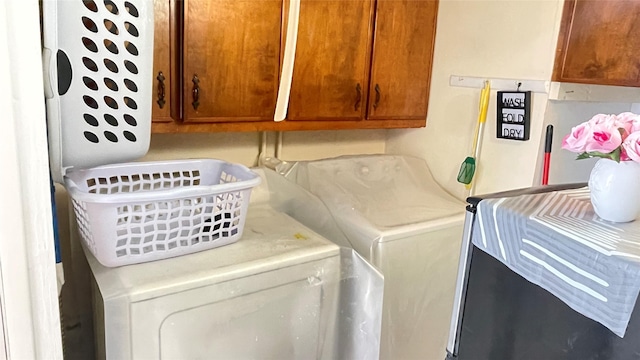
x=160, y=79
x=195, y=92
x=358, y=96
x=377, y=101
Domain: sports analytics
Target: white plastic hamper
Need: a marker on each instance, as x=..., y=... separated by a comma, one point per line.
x=98, y=63
x=139, y=212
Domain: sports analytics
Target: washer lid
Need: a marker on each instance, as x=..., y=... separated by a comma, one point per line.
x=383, y=191
x=271, y=240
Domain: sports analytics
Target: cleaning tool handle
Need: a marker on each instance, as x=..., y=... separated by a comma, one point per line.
x=482, y=115
x=484, y=102
x=547, y=154
x=548, y=139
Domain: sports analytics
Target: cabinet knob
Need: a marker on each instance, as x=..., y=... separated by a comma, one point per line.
x=358, y=96
x=377, y=100
x=195, y=92
x=161, y=89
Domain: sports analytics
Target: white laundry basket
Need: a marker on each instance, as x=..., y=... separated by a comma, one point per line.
x=98, y=63
x=138, y=212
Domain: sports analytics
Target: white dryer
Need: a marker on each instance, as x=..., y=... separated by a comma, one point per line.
x=271, y=295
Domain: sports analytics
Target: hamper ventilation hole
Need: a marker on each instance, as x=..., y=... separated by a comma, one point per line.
x=131, y=28
x=129, y=136
x=91, y=102
x=89, y=64
x=130, y=120
x=111, y=27
x=111, y=7
x=110, y=120
x=130, y=103
x=111, y=84
x=89, y=119
x=111, y=65
x=132, y=49
x=89, y=44
x=90, y=83
x=89, y=24
x=111, y=46
x=110, y=102
x=131, y=9
x=89, y=4
x=131, y=67
x=91, y=137
x=111, y=136
x=130, y=85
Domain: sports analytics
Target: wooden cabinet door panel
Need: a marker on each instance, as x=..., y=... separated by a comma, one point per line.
x=402, y=55
x=601, y=43
x=161, y=105
x=233, y=47
x=332, y=60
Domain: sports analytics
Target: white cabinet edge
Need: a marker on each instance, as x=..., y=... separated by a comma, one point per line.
x=558, y=91
x=562, y=91
x=286, y=78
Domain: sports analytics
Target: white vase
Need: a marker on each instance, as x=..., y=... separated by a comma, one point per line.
x=615, y=190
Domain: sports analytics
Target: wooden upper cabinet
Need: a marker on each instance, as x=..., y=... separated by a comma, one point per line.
x=231, y=59
x=162, y=106
x=358, y=64
x=331, y=71
x=599, y=43
x=402, y=56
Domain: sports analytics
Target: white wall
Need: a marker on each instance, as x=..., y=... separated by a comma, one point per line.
x=493, y=39
x=322, y=144
x=563, y=116
x=244, y=148
x=235, y=147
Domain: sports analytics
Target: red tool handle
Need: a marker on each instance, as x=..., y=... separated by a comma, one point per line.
x=547, y=154
x=545, y=170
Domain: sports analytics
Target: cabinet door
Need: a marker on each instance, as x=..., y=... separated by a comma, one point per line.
x=231, y=59
x=162, y=50
x=332, y=57
x=402, y=56
x=599, y=43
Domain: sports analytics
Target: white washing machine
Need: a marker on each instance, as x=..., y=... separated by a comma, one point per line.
x=392, y=212
x=271, y=295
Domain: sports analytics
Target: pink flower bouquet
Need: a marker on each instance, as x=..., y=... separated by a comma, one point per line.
x=615, y=137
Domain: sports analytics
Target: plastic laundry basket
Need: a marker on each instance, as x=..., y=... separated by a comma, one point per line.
x=98, y=61
x=139, y=212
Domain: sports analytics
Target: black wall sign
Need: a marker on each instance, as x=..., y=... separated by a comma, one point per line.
x=514, y=114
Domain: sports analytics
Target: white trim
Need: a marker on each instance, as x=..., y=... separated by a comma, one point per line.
x=594, y=93
x=27, y=262
x=499, y=84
